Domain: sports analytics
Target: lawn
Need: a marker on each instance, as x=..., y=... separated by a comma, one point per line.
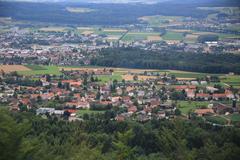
x=80, y=113
x=54, y=70
x=173, y=36
x=186, y=106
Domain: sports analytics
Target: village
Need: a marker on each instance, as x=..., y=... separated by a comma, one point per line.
x=141, y=96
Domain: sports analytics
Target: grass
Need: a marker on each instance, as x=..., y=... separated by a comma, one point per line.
x=80, y=113
x=186, y=106
x=107, y=78
x=173, y=36
x=54, y=70
x=35, y=67
x=235, y=118
x=231, y=80
x=216, y=119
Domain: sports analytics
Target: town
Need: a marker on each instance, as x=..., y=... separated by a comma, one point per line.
x=141, y=95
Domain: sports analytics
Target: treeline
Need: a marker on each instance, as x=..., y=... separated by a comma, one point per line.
x=197, y=62
x=25, y=136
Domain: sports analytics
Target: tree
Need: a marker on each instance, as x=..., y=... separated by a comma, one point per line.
x=177, y=112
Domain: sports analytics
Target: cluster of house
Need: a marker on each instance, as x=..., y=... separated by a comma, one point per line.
x=72, y=49
x=139, y=100
x=206, y=93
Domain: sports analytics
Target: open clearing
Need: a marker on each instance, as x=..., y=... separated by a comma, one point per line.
x=138, y=36
x=79, y=10
x=13, y=68
x=128, y=77
x=159, y=20
x=53, y=29
x=114, y=30
x=154, y=38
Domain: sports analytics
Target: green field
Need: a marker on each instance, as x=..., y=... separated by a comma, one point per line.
x=216, y=119
x=80, y=113
x=107, y=78
x=186, y=106
x=40, y=70
x=173, y=36
x=235, y=118
x=186, y=74
x=35, y=67
x=231, y=80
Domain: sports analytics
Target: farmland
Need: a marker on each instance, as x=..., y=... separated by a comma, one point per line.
x=53, y=29
x=173, y=36
x=13, y=68
x=138, y=36
x=118, y=74
x=39, y=70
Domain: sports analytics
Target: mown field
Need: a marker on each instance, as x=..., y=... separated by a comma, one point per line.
x=186, y=106
x=39, y=70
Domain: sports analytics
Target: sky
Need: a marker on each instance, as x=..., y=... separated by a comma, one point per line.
x=94, y=1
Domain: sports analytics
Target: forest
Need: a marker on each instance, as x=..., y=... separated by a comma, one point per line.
x=25, y=136
x=170, y=59
x=103, y=14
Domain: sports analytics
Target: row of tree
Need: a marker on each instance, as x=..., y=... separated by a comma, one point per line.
x=169, y=59
x=26, y=136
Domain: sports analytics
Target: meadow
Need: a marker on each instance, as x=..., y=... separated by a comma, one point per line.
x=187, y=106
x=173, y=36
x=40, y=70
x=231, y=80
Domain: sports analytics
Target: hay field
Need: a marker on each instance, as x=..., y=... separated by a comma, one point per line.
x=53, y=29
x=154, y=38
x=13, y=68
x=128, y=77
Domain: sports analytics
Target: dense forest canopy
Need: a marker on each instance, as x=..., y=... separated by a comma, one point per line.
x=104, y=14
x=26, y=136
x=137, y=58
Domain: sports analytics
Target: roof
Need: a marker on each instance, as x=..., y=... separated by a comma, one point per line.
x=204, y=111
